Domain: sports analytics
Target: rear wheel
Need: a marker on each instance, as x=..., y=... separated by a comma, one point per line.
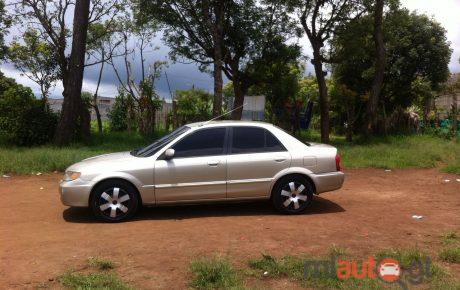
x=292, y=194
x=114, y=201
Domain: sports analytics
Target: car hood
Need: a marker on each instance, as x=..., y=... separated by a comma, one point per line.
x=111, y=160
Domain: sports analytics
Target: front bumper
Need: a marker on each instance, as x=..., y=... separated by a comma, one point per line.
x=75, y=192
x=328, y=181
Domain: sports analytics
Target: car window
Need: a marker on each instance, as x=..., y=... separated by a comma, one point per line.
x=160, y=143
x=272, y=144
x=254, y=140
x=204, y=142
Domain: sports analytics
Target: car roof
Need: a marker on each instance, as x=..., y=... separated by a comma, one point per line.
x=218, y=123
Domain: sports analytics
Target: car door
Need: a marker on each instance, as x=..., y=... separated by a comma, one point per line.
x=255, y=157
x=198, y=170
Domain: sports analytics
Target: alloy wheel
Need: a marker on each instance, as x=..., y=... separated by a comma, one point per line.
x=294, y=195
x=114, y=203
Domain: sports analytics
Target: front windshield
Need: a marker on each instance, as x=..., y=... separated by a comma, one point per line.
x=151, y=149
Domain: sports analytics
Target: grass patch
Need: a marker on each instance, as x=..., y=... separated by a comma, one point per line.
x=450, y=237
x=94, y=281
x=100, y=264
x=214, y=273
x=450, y=255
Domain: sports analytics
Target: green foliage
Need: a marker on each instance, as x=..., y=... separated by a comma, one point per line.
x=118, y=115
x=24, y=120
x=93, y=281
x=193, y=105
x=36, y=59
x=4, y=24
x=213, y=273
x=417, y=58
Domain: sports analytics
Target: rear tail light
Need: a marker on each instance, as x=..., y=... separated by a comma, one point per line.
x=337, y=162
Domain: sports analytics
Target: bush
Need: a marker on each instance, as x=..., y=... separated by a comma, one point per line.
x=119, y=113
x=24, y=120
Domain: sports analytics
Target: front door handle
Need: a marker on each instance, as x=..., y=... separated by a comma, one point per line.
x=280, y=159
x=213, y=163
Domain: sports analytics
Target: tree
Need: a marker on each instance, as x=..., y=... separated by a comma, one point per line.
x=416, y=47
x=141, y=99
x=194, y=30
x=35, y=59
x=319, y=19
x=249, y=27
x=50, y=21
x=102, y=44
x=379, y=67
x=4, y=24
x=193, y=105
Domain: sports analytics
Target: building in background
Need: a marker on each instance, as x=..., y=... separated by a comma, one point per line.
x=253, y=108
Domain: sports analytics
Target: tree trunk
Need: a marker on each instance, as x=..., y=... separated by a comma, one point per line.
x=95, y=105
x=239, y=99
x=379, y=69
x=323, y=98
x=72, y=107
x=217, y=38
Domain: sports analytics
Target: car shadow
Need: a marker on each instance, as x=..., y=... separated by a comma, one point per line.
x=180, y=212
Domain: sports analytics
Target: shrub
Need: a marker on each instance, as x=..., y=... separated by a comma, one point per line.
x=119, y=113
x=24, y=120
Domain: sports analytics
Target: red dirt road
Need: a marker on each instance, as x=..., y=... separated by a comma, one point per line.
x=41, y=239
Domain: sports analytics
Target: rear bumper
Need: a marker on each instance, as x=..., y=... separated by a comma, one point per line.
x=328, y=181
x=75, y=193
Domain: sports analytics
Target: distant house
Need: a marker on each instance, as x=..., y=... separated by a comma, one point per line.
x=444, y=103
x=104, y=104
x=253, y=108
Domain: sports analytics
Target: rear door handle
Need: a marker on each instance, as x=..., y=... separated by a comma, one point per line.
x=280, y=159
x=213, y=163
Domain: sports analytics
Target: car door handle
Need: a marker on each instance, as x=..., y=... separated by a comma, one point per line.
x=280, y=159
x=213, y=163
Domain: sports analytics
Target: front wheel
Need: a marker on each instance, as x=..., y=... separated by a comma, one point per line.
x=114, y=201
x=292, y=194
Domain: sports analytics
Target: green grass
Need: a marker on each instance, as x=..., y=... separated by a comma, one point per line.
x=418, y=151
x=93, y=281
x=214, y=273
x=100, y=264
x=399, y=151
x=450, y=237
x=450, y=255
x=24, y=160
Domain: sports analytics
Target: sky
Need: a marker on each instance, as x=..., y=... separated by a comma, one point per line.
x=184, y=76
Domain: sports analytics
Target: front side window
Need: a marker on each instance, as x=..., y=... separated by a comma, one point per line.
x=204, y=142
x=254, y=140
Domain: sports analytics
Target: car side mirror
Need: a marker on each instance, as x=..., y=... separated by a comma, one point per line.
x=169, y=153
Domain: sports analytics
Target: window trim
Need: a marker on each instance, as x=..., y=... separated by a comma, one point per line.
x=225, y=146
x=230, y=141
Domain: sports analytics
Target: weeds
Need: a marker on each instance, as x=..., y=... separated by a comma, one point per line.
x=214, y=273
x=450, y=255
x=93, y=281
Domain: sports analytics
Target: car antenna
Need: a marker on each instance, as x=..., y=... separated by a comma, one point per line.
x=226, y=113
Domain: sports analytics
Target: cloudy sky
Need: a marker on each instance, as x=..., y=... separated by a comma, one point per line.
x=183, y=76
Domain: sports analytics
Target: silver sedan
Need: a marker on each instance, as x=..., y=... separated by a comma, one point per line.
x=205, y=162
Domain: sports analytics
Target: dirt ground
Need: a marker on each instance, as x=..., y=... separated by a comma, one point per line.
x=41, y=239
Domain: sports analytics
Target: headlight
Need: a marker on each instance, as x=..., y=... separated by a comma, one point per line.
x=71, y=175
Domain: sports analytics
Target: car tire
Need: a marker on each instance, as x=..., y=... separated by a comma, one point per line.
x=292, y=194
x=114, y=200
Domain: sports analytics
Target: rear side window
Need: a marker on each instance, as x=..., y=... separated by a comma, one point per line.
x=254, y=140
x=204, y=142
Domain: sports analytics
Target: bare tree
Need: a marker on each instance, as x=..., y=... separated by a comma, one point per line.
x=319, y=19
x=50, y=20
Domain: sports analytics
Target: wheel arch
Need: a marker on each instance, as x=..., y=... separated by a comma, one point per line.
x=114, y=179
x=292, y=172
